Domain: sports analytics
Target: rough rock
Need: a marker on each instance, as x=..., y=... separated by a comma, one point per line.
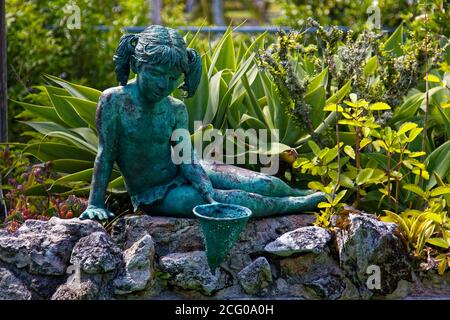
x=96, y=253
x=258, y=233
x=319, y=276
x=368, y=244
x=11, y=288
x=184, y=235
x=169, y=234
x=44, y=247
x=85, y=287
x=86, y=290
x=301, y=240
x=190, y=270
x=138, y=271
x=256, y=276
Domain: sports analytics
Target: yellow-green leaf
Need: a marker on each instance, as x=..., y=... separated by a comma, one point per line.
x=440, y=191
x=349, y=151
x=350, y=123
x=416, y=154
x=414, y=188
x=425, y=173
x=379, y=106
x=371, y=66
x=407, y=126
x=364, y=142
x=314, y=147
x=324, y=205
x=316, y=185
x=414, y=133
x=442, y=266
x=333, y=107
x=432, y=78
x=438, y=242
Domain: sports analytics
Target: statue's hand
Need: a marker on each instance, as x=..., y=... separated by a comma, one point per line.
x=209, y=198
x=93, y=212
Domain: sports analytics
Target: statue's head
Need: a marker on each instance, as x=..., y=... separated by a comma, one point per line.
x=159, y=57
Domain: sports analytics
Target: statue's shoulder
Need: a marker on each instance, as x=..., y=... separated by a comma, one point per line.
x=177, y=104
x=111, y=95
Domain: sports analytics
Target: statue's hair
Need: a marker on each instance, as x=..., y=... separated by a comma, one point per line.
x=158, y=45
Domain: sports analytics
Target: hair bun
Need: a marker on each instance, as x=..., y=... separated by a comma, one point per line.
x=122, y=57
x=194, y=74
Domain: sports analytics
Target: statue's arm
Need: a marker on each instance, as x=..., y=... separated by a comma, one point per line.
x=193, y=171
x=107, y=129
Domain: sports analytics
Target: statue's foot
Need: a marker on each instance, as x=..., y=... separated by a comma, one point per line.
x=302, y=192
x=309, y=202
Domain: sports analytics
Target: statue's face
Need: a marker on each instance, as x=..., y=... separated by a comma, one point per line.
x=157, y=81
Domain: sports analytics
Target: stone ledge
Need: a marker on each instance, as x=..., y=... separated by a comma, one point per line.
x=163, y=258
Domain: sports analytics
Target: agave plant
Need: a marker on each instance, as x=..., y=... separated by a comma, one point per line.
x=69, y=138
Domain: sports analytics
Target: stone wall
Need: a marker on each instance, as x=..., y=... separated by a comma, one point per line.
x=163, y=258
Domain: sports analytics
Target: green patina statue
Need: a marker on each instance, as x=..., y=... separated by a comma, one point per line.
x=135, y=122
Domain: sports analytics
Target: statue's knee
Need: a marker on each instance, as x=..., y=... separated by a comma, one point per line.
x=265, y=183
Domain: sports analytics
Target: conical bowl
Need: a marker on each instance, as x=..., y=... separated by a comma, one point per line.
x=221, y=225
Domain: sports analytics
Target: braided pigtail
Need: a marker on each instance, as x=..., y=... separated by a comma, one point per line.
x=122, y=57
x=193, y=73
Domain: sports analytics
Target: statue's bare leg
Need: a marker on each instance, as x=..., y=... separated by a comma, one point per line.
x=181, y=200
x=229, y=177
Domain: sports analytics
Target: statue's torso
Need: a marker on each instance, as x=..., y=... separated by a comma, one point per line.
x=144, y=145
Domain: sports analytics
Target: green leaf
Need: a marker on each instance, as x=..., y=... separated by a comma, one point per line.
x=314, y=147
x=394, y=43
x=407, y=126
x=70, y=165
x=86, y=109
x=318, y=81
x=379, y=106
x=438, y=191
x=432, y=78
x=414, y=133
x=214, y=98
x=414, y=188
x=364, y=175
x=339, y=196
x=45, y=112
x=47, y=151
x=315, y=185
x=416, y=154
x=424, y=173
x=317, y=101
x=330, y=155
x=439, y=161
x=442, y=266
x=64, y=110
x=341, y=94
x=85, y=176
x=45, y=127
x=323, y=205
x=345, y=181
x=76, y=90
x=364, y=142
x=349, y=151
x=438, y=242
x=333, y=107
x=223, y=54
x=352, y=123
x=371, y=66
x=40, y=190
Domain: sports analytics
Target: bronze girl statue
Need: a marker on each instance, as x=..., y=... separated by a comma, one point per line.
x=135, y=122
